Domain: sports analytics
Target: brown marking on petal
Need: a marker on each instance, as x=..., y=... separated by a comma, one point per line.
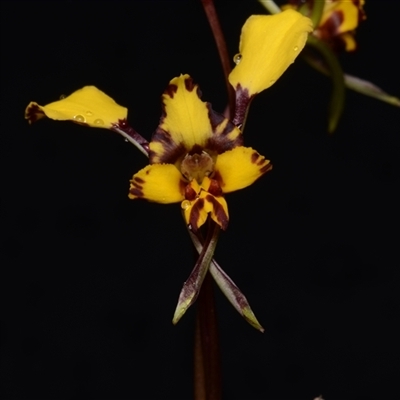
x=139, y=180
x=331, y=26
x=215, y=188
x=172, y=151
x=171, y=90
x=361, y=13
x=254, y=157
x=220, y=142
x=136, y=192
x=33, y=113
x=266, y=168
x=243, y=101
x=262, y=161
x=196, y=149
x=190, y=193
x=218, y=178
x=219, y=212
x=195, y=214
x=189, y=85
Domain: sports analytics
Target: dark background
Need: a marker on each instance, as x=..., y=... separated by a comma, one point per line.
x=90, y=279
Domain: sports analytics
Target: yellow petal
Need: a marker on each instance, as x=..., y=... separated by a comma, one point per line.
x=88, y=105
x=188, y=123
x=349, y=41
x=196, y=212
x=239, y=168
x=161, y=183
x=268, y=45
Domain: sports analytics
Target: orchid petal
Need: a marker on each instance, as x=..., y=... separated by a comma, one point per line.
x=88, y=106
x=161, y=183
x=189, y=124
x=239, y=168
x=268, y=45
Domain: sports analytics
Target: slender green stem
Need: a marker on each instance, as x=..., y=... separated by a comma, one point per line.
x=219, y=38
x=316, y=12
x=338, y=88
x=271, y=6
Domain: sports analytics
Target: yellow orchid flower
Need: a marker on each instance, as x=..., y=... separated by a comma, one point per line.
x=196, y=156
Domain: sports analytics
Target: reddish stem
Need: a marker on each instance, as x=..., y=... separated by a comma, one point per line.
x=207, y=365
x=212, y=17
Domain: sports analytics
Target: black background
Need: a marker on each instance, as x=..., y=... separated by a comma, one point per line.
x=90, y=279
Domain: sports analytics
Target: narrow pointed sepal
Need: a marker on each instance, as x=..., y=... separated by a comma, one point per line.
x=229, y=289
x=192, y=286
x=369, y=89
x=234, y=295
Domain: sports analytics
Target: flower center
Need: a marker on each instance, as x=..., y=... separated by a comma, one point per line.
x=197, y=166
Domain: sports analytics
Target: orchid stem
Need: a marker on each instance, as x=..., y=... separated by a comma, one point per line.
x=219, y=38
x=270, y=6
x=207, y=364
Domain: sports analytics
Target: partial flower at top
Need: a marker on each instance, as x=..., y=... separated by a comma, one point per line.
x=196, y=156
x=268, y=45
x=338, y=22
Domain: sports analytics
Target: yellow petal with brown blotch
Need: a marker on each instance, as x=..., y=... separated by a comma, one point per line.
x=268, y=45
x=239, y=168
x=89, y=106
x=161, y=183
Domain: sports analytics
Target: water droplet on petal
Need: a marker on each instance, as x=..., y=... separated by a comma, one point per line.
x=63, y=96
x=185, y=204
x=296, y=48
x=271, y=82
x=89, y=113
x=237, y=58
x=126, y=140
x=98, y=121
x=79, y=118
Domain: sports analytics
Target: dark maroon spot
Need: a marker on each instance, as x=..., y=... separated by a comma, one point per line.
x=217, y=177
x=214, y=188
x=254, y=157
x=189, y=85
x=195, y=214
x=219, y=212
x=266, y=168
x=243, y=101
x=138, y=180
x=196, y=149
x=171, y=90
x=190, y=193
x=136, y=192
x=33, y=112
x=147, y=172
